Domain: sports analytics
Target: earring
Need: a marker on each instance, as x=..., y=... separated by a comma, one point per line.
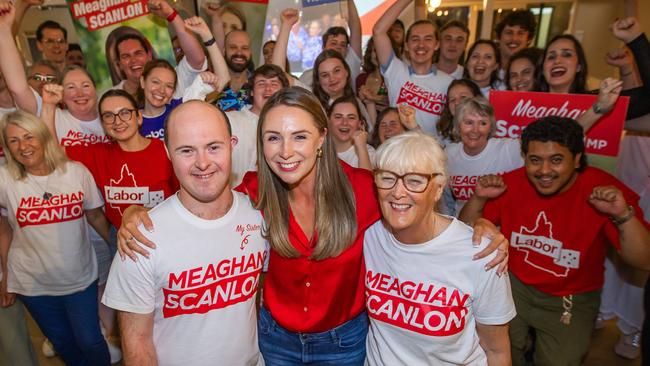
x=319, y=153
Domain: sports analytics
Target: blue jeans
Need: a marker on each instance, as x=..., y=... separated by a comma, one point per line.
x=71, y=323
x=344, y=345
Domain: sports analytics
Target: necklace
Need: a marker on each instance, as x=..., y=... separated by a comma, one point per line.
x=46, y=195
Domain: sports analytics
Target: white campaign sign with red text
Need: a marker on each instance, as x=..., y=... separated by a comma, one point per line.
x=513, y=111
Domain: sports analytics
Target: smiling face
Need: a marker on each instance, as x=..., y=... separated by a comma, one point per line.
x=53, y=45
x=409, y=214
x=453, y=41
x=513, y=38
x=474, y=130
x=344, y=122
x=332, y=77
x=131, y=59
x=26, y=149
x=238, y=51
x=291, y=140
x=457, y=95
x=79, y=93
x=39, y=75
x=561, y=65
x=200, y=150
x=421, y=44
x=337, y=43
x=522, y=75
x=263, y=89
x=390, y=126
x=158, y=86
x=267, y=51
x=551, y=167
x=481, y=64
x=120, y=119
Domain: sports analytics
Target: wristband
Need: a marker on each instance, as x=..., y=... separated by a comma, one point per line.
x=172, y=16
x=210, y=42
x=598, y=109
x=623, y=219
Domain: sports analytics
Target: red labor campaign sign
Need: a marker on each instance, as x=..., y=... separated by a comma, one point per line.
x=513, y=111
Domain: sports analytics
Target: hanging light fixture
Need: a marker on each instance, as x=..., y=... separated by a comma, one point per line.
x=432, y=5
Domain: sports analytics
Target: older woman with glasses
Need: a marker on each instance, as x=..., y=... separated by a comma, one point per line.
x=428, y=302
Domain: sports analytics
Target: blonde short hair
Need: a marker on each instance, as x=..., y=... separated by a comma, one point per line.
x=478, y=105
x=413, y=152
x=55, y=157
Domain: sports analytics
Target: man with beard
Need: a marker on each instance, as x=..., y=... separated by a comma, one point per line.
x=559, y=215
x=132, y=53
x=235, y=95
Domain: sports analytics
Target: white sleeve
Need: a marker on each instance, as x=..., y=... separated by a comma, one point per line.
x=92, y=197
x=396, y=73
x=198, y=90
x=185, y=75
x=131, y=285
x=492, y=303
x=514, y=154
x=354, y=62
x=4, y=184
x=307, y=78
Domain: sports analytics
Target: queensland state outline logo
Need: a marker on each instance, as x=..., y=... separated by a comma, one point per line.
x=542, y=251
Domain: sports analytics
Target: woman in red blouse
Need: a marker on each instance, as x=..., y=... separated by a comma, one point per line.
x=317, y=210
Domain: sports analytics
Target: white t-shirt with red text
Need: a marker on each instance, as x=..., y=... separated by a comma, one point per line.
x=72, y=131
x=426, y=93
x=500, y=155
x=50, y=251
x=200, y=284
x=424, y=300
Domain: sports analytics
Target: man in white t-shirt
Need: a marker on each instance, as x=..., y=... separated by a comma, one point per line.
x=336, y=38
x=419, y=85
x=192, y=302
x=453, y=41
x=265, y=81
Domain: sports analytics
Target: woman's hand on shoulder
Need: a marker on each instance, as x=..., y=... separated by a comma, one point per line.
x=129, y=233
x=485, y=229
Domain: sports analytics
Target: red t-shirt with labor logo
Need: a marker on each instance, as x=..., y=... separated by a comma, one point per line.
x=424, y=300
x=125, y=178
x=200, y=284
x=558, y=242
x=426, y=93
x=50, y=251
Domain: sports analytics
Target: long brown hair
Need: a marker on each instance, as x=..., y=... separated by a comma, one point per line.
x=336, y=223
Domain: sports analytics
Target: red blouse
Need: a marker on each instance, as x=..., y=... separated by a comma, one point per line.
x=309, y=296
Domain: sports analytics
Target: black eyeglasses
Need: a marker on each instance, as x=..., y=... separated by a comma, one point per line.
x=413, y=182
x=124, y=114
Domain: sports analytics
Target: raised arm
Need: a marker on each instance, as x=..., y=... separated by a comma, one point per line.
x=137, y=338
x=354, y=22
x=622, y=59
x=11, y=63
x=21, y=8
x=487, y=187
x=199, y=27
x=610, y=89
x=288, y=18
x=213, y=10
x=52, y=95
x=191, y=47
x=383, y=45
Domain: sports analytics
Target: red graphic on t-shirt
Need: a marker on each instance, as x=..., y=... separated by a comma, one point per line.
x=241, y=229
x=74, y=138
x=542, y=250
x=419, y=307
x=214, y=286
x=59, y=208
x=422, y=99
x=462, y=186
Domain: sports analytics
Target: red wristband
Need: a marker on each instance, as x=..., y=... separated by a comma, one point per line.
x=171, y=16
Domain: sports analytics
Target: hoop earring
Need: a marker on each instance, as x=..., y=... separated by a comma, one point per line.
x=319, y=153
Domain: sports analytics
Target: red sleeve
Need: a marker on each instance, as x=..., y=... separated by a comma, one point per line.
x=365, y=193
x=492, y=210
x=249, y=185
x=83, y=154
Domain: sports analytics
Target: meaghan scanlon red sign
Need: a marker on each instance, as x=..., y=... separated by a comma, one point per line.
x=515, y=110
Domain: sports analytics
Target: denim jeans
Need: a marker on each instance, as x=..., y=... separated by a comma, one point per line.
x=71, y=323
x=344, y=345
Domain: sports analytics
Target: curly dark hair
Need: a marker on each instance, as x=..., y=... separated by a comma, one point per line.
x=565, y=131
x=523, y=18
